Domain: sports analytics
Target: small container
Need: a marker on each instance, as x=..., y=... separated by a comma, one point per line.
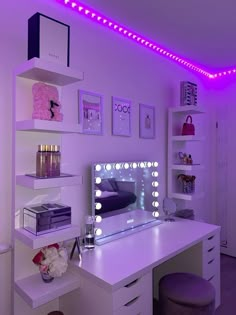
x=57, y=161
x=54, y=160
x=89, y=240
x=41, y=161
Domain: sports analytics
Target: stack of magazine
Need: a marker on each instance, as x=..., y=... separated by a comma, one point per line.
x=188, y=93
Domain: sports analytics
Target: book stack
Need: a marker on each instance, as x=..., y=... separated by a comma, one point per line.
x=188, y=93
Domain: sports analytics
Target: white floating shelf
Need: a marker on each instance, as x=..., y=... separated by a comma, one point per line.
x=47, y=126
x=49, y=72
x=188, y=197
x=39, y=241
x=41, y=183
x=187, y=167
x=187, y=138
x=188, y=109
x=36, y=293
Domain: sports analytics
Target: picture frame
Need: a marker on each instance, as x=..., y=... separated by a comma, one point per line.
x=121, y=117
x=146, y=121
x=90, y=112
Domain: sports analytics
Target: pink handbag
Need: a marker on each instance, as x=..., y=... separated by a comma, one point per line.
x=188, y=127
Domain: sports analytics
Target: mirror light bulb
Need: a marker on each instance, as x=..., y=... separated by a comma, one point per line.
x=117, y=166
x=141, y=165
x=155, y=204
x=98, y=193
x=134, y=165
x=98, y=180
x=126, y=166
x=98, y=206
x=149, y=164
x=155, y=174
x=154, y=184
x=98, y=232
x=155, y=193
x=155, y=214
x=108, y=167
x=155, y=164
x=98, y=218
x=98, y=167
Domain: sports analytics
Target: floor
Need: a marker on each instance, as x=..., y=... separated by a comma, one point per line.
x=228, y=286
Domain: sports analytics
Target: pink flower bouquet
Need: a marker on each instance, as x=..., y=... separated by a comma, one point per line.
x=52, y=260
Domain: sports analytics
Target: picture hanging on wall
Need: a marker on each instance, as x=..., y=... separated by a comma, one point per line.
x=146, y=121
x=121, y=117
x=91, y=112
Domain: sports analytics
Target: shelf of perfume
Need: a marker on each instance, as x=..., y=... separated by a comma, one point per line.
x=188, y=109
x=50, y=182
x=188, y=138
x=48, y=72
x=187, y=167
x=36, y=293
x=37, y=125
x=38, y=241
x=187, y=197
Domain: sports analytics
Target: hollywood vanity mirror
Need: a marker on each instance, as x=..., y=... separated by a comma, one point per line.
x=125, y=195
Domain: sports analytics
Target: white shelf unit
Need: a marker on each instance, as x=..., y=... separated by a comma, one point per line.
x=36, y=293
x=178, y=143
x=27, y=134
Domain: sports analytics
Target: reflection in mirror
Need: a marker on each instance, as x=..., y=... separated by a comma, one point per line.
x=125, y=195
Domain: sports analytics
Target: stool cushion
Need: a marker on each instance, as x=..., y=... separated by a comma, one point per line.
x=187, y=289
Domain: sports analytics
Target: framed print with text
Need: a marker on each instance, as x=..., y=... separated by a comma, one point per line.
x=146, y=121
x=121, y=117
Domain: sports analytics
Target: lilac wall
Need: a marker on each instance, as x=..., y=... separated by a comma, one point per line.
x=112, y=66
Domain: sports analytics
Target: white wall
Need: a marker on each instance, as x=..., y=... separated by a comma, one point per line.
x=113, y=66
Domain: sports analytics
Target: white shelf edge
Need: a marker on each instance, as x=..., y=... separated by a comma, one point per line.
x=184, y=167
x=47, y=126
x=41, y=183
x=39, y=241
x=187, y=138
x=36, y=293
x=187, y=197
x=50, y=72
x=188, y=109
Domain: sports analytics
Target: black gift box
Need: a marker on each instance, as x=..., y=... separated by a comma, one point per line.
x=48, y=39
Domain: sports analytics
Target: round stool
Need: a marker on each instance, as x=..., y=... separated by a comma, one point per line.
x=186, y=294
x=55, y=313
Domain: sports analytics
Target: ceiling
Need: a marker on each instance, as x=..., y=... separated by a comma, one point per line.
x=200, y=31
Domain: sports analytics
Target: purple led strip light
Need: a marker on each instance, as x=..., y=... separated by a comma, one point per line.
x=139, y=39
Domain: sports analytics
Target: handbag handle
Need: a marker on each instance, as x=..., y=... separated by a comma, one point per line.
x=189, y=117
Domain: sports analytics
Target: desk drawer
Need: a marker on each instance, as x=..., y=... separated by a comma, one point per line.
x=134, y=307
x=127, y=294
x=211, y=268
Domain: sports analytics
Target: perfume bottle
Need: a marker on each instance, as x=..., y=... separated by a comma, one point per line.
x=41, y=161
x=89, y=240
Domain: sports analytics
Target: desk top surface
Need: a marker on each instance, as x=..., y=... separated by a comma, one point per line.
x=111, y=264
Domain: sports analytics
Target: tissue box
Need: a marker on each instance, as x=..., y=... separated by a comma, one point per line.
x=48, y=39
x=44, y=218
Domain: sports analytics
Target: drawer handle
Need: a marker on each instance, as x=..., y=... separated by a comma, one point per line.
x=132, y=301
x=211, y=237
x=211, y=249
x=211, y=261
x=211, y=278
x=131, y=283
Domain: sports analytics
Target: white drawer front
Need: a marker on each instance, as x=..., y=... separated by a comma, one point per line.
x=215, y=281
x=134, y=307
x=131, y=291
x=212, y=253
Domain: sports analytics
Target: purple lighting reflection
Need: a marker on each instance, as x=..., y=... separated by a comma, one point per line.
x=139, y=39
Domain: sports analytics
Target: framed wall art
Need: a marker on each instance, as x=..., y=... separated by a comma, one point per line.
x=90, y=112
x=146, y=121
x=121, y=117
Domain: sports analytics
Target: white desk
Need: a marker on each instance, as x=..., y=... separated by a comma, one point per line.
x=117, y=277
